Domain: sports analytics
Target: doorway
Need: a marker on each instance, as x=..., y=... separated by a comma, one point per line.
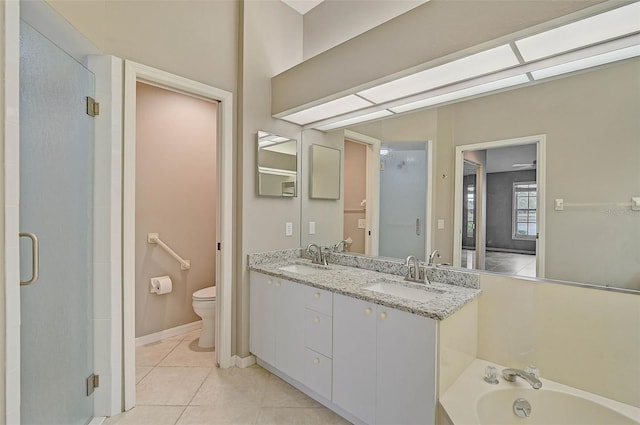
x=135, y=74
x=499, y=206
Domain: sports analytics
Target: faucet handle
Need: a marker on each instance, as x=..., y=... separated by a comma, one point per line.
x=491, y=375
x=533, y=370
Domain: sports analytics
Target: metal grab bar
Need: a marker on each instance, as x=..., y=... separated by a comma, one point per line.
x=155, y=238
x=35, y=259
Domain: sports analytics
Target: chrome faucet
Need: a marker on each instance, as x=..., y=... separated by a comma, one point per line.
x=340, y=246
x=511, y=375
x=434, y=254
x=417, y=275
x=318, y=256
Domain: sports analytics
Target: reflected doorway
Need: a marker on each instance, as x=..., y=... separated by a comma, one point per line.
x=499, y=211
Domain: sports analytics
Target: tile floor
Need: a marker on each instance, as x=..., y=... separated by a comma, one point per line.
x=503, y=262
x=178, y=384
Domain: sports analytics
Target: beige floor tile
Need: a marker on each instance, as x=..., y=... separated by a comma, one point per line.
x=147, y=415
x=152, y=354
x=141, y=372
x=230, y=414
x=281, y=394
x=192, y=335
x=233, y=385
x=187, y=353
x=170, y=385
x=299, y=416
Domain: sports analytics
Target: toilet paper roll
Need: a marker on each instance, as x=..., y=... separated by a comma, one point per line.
x=161, y=285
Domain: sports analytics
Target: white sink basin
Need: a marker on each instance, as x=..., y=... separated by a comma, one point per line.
x=397, y=290
x=302, y=269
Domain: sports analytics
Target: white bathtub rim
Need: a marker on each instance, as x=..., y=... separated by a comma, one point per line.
x=471, y=386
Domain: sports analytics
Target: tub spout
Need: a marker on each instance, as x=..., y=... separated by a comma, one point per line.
x=511, y=375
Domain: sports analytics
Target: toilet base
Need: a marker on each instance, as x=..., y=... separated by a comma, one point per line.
x=207, y=334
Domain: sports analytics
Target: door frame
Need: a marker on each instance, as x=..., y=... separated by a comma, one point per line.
x=372, y=208
x=540, y=140
x=133, y=73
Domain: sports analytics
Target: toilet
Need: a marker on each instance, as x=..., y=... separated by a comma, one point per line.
x=204, y=305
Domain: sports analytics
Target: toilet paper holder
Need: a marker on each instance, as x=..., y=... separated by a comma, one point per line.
x=160, y=285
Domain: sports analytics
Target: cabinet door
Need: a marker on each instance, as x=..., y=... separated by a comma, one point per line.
x=406, y=368
x=262, y=311
x=289, y=332
x=354, y=356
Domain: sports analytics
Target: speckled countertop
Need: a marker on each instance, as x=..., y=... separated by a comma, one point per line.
x=352, y=281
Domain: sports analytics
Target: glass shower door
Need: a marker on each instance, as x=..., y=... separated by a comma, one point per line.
x=56, y=204
x=403, y=199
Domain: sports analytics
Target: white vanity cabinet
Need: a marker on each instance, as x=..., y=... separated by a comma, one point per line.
x=276, y=325
x=384, y=363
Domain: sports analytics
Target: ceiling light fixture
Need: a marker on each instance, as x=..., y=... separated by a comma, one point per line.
x=335, y=107
x=355, y=120
x=485, y=62
x=595, y=29
x=587, y=62
x=464, y=93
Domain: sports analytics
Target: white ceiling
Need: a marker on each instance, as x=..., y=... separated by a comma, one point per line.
x=302, y=6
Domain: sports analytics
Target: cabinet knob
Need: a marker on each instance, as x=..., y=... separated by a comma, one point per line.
x=368, y=311
x=316, y=319
x=316, y=361
x=384, y=315
x=278, y=284
x=316, y=295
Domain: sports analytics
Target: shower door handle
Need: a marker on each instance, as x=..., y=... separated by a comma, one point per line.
x=35, y=259
x=418, y=230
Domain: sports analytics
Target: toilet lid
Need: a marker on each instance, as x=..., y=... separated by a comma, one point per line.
x=208, y=293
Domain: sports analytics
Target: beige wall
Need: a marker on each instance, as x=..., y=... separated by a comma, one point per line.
x=322, y=30
x=586, y=338
x=271, y=42
x=3, y=282
x=457, y=345
x=328, y=214
x=176, y=195
x=193, y=39
x=355, y=190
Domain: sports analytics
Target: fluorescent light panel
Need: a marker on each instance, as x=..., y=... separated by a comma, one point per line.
x=605, y=26
x=468, y=67
x=355, y=120
x=335, y=107
x=460, y=94
x=588, y=62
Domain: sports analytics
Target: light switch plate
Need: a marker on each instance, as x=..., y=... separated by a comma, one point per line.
x=559, y=204
x=441, y=224
x=635, y=203
x=362, y=223
x=312, y=227
x=288, y=229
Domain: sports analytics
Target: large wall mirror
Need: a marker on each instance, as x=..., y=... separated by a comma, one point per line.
x=538, y=175
x=277, y=165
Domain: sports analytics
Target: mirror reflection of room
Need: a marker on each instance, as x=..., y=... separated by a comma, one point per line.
x=277, y=165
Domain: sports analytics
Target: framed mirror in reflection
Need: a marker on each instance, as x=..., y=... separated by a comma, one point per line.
x=588, y=161
x=277, y=165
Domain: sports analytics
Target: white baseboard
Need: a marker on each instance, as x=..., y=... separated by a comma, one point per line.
x=168, y=333
x=99, y=420
x=243, y=362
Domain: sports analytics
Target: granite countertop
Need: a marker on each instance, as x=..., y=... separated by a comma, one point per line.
x=352, y=281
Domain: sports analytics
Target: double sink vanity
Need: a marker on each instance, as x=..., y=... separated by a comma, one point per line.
x=354, y=335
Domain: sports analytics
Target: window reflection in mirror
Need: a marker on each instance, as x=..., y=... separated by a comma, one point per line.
x=277, y=165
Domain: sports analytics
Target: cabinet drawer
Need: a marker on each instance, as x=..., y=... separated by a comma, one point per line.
x=318, y=300
x=317, y=373
x=318, y=333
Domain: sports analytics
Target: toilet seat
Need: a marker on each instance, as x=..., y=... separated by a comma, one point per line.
x=205, y=294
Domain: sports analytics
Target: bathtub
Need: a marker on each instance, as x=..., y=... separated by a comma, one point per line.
x=471, y=400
